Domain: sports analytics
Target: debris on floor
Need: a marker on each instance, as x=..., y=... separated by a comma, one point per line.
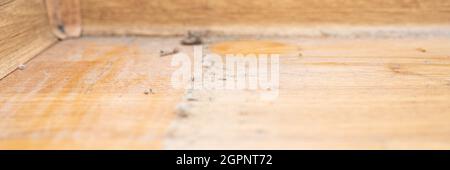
x=421, y=50
x=182, y=110
x=190, y=97
x=148, y=91
x=192, y=39
x=22, y=67
x=163, y=53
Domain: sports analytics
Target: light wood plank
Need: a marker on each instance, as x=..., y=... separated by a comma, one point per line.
x=340, y=94
x=24, y=32
x=89, y=94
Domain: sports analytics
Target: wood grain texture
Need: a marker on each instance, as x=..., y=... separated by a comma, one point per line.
x=170, y=17
x=65, y=17
x=340, y=94
x=89, y=94
x=24, y=32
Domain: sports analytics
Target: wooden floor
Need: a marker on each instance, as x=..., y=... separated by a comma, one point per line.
x=340, y=93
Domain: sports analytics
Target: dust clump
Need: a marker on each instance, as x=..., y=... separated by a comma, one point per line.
x=148, y=91
x=22, y=67
x=190, y=97
x=182, y=110
x=422, y=50
x=163, y=53
x=192, y=39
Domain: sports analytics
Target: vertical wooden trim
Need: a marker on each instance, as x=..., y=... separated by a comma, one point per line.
x=64, y=17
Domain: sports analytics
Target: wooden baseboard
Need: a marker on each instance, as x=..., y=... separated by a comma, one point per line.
x=171, y=17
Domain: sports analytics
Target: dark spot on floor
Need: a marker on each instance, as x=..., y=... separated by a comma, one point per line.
x=422, y=50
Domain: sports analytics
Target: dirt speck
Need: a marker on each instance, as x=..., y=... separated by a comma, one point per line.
x=192, y=39
x=163, y=53
x=61, y=28
x=422, y=50
x=324, y=34
x=260, y=131
x=190, y=97
x=22, y=67
x=182, y=110
x=148, y=91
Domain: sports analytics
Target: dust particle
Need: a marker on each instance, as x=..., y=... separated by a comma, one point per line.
x=192, y=39
x=163, y=53
x=421, y=50
x=182, y=110
x=22, y=67
x=148, y=91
